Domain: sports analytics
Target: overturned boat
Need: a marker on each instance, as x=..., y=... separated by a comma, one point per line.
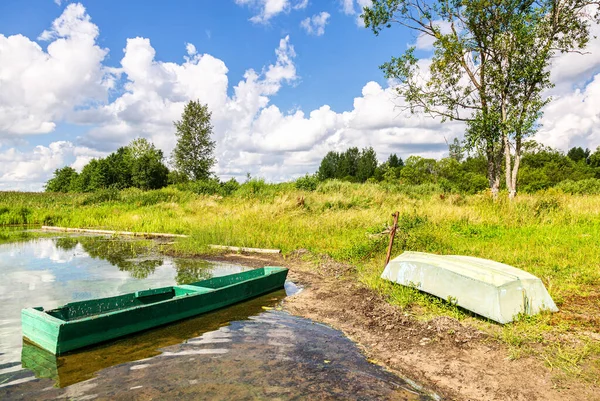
x=80, y=324
x=494, y=290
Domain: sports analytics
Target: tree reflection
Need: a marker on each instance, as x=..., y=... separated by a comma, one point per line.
x=66, y=243
x=192, y=270
x=135, y=257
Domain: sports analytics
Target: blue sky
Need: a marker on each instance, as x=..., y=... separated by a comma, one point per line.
x=333, y=67
x=81, y=94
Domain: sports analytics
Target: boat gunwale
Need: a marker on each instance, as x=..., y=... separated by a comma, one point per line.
x=60, y=322
x=35, y=312
x=415, y=259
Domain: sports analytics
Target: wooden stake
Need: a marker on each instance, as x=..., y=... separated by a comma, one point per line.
x=392, y=235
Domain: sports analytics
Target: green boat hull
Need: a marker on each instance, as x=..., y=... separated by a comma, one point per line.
x=81, y=324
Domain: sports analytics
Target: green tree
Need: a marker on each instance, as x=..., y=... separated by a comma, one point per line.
x=348, y=164
x=193, y=154
x=148, y=172
x=329, y=166
x=62, y=180
x=490, y=65
x=118, y=171
x=544, y=167
x=146, y=165
x=578, y=154
x=367, y=163
x=418, y=170
x=93, y=176
x=456, y=150
x=594, y=161
x=394, y=161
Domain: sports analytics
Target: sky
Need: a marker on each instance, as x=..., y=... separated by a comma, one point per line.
x=286, y=82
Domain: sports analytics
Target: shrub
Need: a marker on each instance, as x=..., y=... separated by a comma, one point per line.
x=473, y=183
x=138, y=197
x=229, y=187
x=252, y=188
x=413, y=191
x=211, y=186
x=307, y=183
x=590, y=186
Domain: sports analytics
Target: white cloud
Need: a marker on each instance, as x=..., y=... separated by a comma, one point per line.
x=191, y=49
x=253, y=135
x=268, y=9
x=573, y=119
x=352, y=7
x=315, y=25
x=572, y=70
x=348, y=7
x=355, y=8
x=40, y=87
x=573, y=116
x=301, y=5
x=30, y=170
x=425, y=42
x=156, y=93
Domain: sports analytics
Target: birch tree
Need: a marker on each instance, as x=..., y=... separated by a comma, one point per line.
x=193, y=154
x=489, y=68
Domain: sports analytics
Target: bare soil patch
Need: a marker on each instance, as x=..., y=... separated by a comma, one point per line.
x=455, y=361
x=581, y=310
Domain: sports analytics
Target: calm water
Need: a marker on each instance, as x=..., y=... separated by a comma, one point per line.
x=251, y=350
x=50, y=272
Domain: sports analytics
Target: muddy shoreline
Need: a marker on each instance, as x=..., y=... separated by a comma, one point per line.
x=455, y=361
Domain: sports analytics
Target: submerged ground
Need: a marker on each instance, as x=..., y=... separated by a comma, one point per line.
x=342, y=226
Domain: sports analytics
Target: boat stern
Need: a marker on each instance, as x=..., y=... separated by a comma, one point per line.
x=41, y=329
x=278, y=273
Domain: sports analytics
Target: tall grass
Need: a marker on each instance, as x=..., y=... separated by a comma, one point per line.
x=553, y=235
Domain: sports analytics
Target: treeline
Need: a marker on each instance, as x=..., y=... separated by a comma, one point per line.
x=452, y=173
x=357, y=166
x=139, y=164
x=542, y=167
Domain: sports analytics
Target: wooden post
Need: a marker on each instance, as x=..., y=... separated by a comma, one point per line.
x=392, y=235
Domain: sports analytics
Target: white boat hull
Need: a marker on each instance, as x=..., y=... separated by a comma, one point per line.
x=494, y=290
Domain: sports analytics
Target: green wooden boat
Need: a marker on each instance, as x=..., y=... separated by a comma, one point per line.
x=81, y=365
x=80, y=324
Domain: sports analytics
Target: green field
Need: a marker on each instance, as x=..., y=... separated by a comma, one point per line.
x=550, y=234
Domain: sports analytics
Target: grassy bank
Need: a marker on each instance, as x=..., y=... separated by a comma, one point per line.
x=552, y=235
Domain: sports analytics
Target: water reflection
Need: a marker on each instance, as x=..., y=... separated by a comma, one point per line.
x=190, y=270
x=78, y=366
x=50, y=272
x=136, y=257
x=225, y=355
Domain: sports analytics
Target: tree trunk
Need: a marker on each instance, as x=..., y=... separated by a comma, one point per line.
x=516, y=164
x=507, y=157
x=508, y=168
x=493, y=170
